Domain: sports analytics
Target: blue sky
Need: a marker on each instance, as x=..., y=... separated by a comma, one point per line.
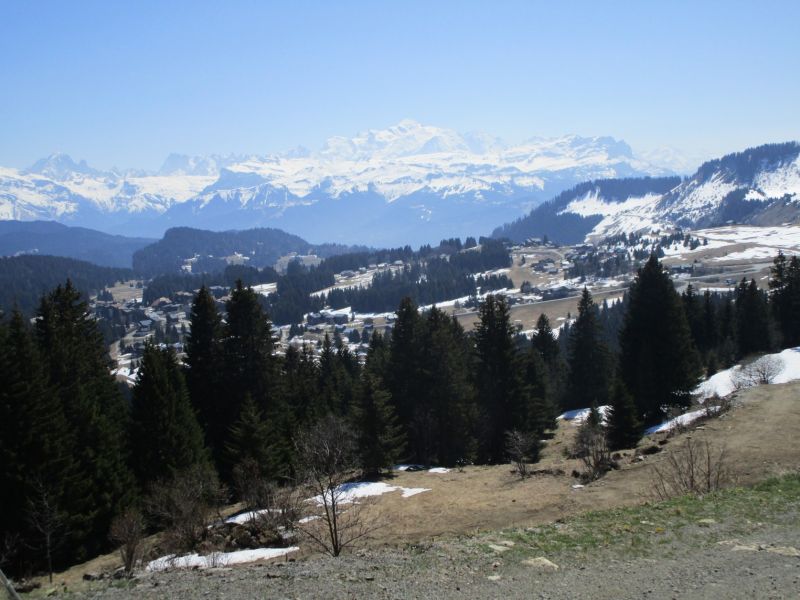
x=126, y=83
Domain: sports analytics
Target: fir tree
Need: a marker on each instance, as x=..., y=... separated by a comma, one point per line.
x=248, y=440
x=165, y=435
x=203, y=366
x=247, y=347
x=785, y=298
x=658, y=362
x=443, y=430
x=380, y=439
x=589, y=360
x=622, y=421
x=499, y=384
x=401, y=378
x=77, y=366
x=752, y=320
x=36, y=447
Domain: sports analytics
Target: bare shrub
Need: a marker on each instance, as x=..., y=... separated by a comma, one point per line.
x=184, y=506
x=47, y=520
x=127, y=529
x=759, y=372
x=271, y=504
x=9, y=547
x=591, y=446
x=327, y=457
x=696, y=468
x=520, y=447
x=250, y=485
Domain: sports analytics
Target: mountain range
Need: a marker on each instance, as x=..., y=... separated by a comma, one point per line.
x=407, y=184
x=759, y=186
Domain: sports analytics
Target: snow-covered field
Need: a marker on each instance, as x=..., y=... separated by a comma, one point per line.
x=762, y=243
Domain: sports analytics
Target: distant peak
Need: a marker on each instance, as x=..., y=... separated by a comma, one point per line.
x=60, y=166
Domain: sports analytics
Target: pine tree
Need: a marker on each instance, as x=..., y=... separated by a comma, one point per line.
x=248, y=440
x=785, y=298
x=380, y=439
x=751, y=318
x=544, y=341
x=443, y=430
x=622, y=421
x=299, y=383
x=77, y=366
x=401, y=377
x=165, y=436
x=500, y=387
x=248, y=363
x=36, y=448
x=541, y=412
x=203, y=366
x=547, y=345
x=589, y=360
x=658, y=362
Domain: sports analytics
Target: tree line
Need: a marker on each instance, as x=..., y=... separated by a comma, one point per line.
x=75, y=449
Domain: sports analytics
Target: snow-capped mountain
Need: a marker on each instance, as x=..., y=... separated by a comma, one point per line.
x=759, y=186
x=409, y=183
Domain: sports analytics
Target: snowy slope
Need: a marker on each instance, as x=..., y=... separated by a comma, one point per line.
x=416, y=180
x=760, y=186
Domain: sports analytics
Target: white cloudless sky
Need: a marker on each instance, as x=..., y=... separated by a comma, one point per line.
x=126, y=83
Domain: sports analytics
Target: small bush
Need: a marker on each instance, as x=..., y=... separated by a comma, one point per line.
x=521, y=447
x=127, y=529
x=184, y=505
x=591, y=446
x=759, y=372
x=697, y=468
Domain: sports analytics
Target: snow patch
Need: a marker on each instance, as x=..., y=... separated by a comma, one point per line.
x=217, y=559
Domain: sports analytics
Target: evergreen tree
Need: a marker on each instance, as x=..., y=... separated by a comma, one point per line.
x=589, y=360
x=36, y=448
x=77, y=367
x=248, y=440
x=624, y=429
x=752, y=320
x=500, y=387
x=785, y=298
x=401, y=377
x=380, y=439
x=203, y=366
x=541, y=412
x=545, y=343
x=248, y=348
x=658, y=362
x=165, y=436
x=443, y=430
x=299, y=383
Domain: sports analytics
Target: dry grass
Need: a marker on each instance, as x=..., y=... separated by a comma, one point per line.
x=758, y=436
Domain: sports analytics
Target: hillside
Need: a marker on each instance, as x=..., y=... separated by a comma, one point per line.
x=481, y=531
x=759, y=186
x=256, y=247
x=25, y=279
x=51, y=238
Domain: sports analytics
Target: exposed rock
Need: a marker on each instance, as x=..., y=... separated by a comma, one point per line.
x=540, y=562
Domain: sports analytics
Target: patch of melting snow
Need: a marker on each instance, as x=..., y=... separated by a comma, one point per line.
x=216, y=559
x=350, y=492
x=722, y=383
x=579, y=415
